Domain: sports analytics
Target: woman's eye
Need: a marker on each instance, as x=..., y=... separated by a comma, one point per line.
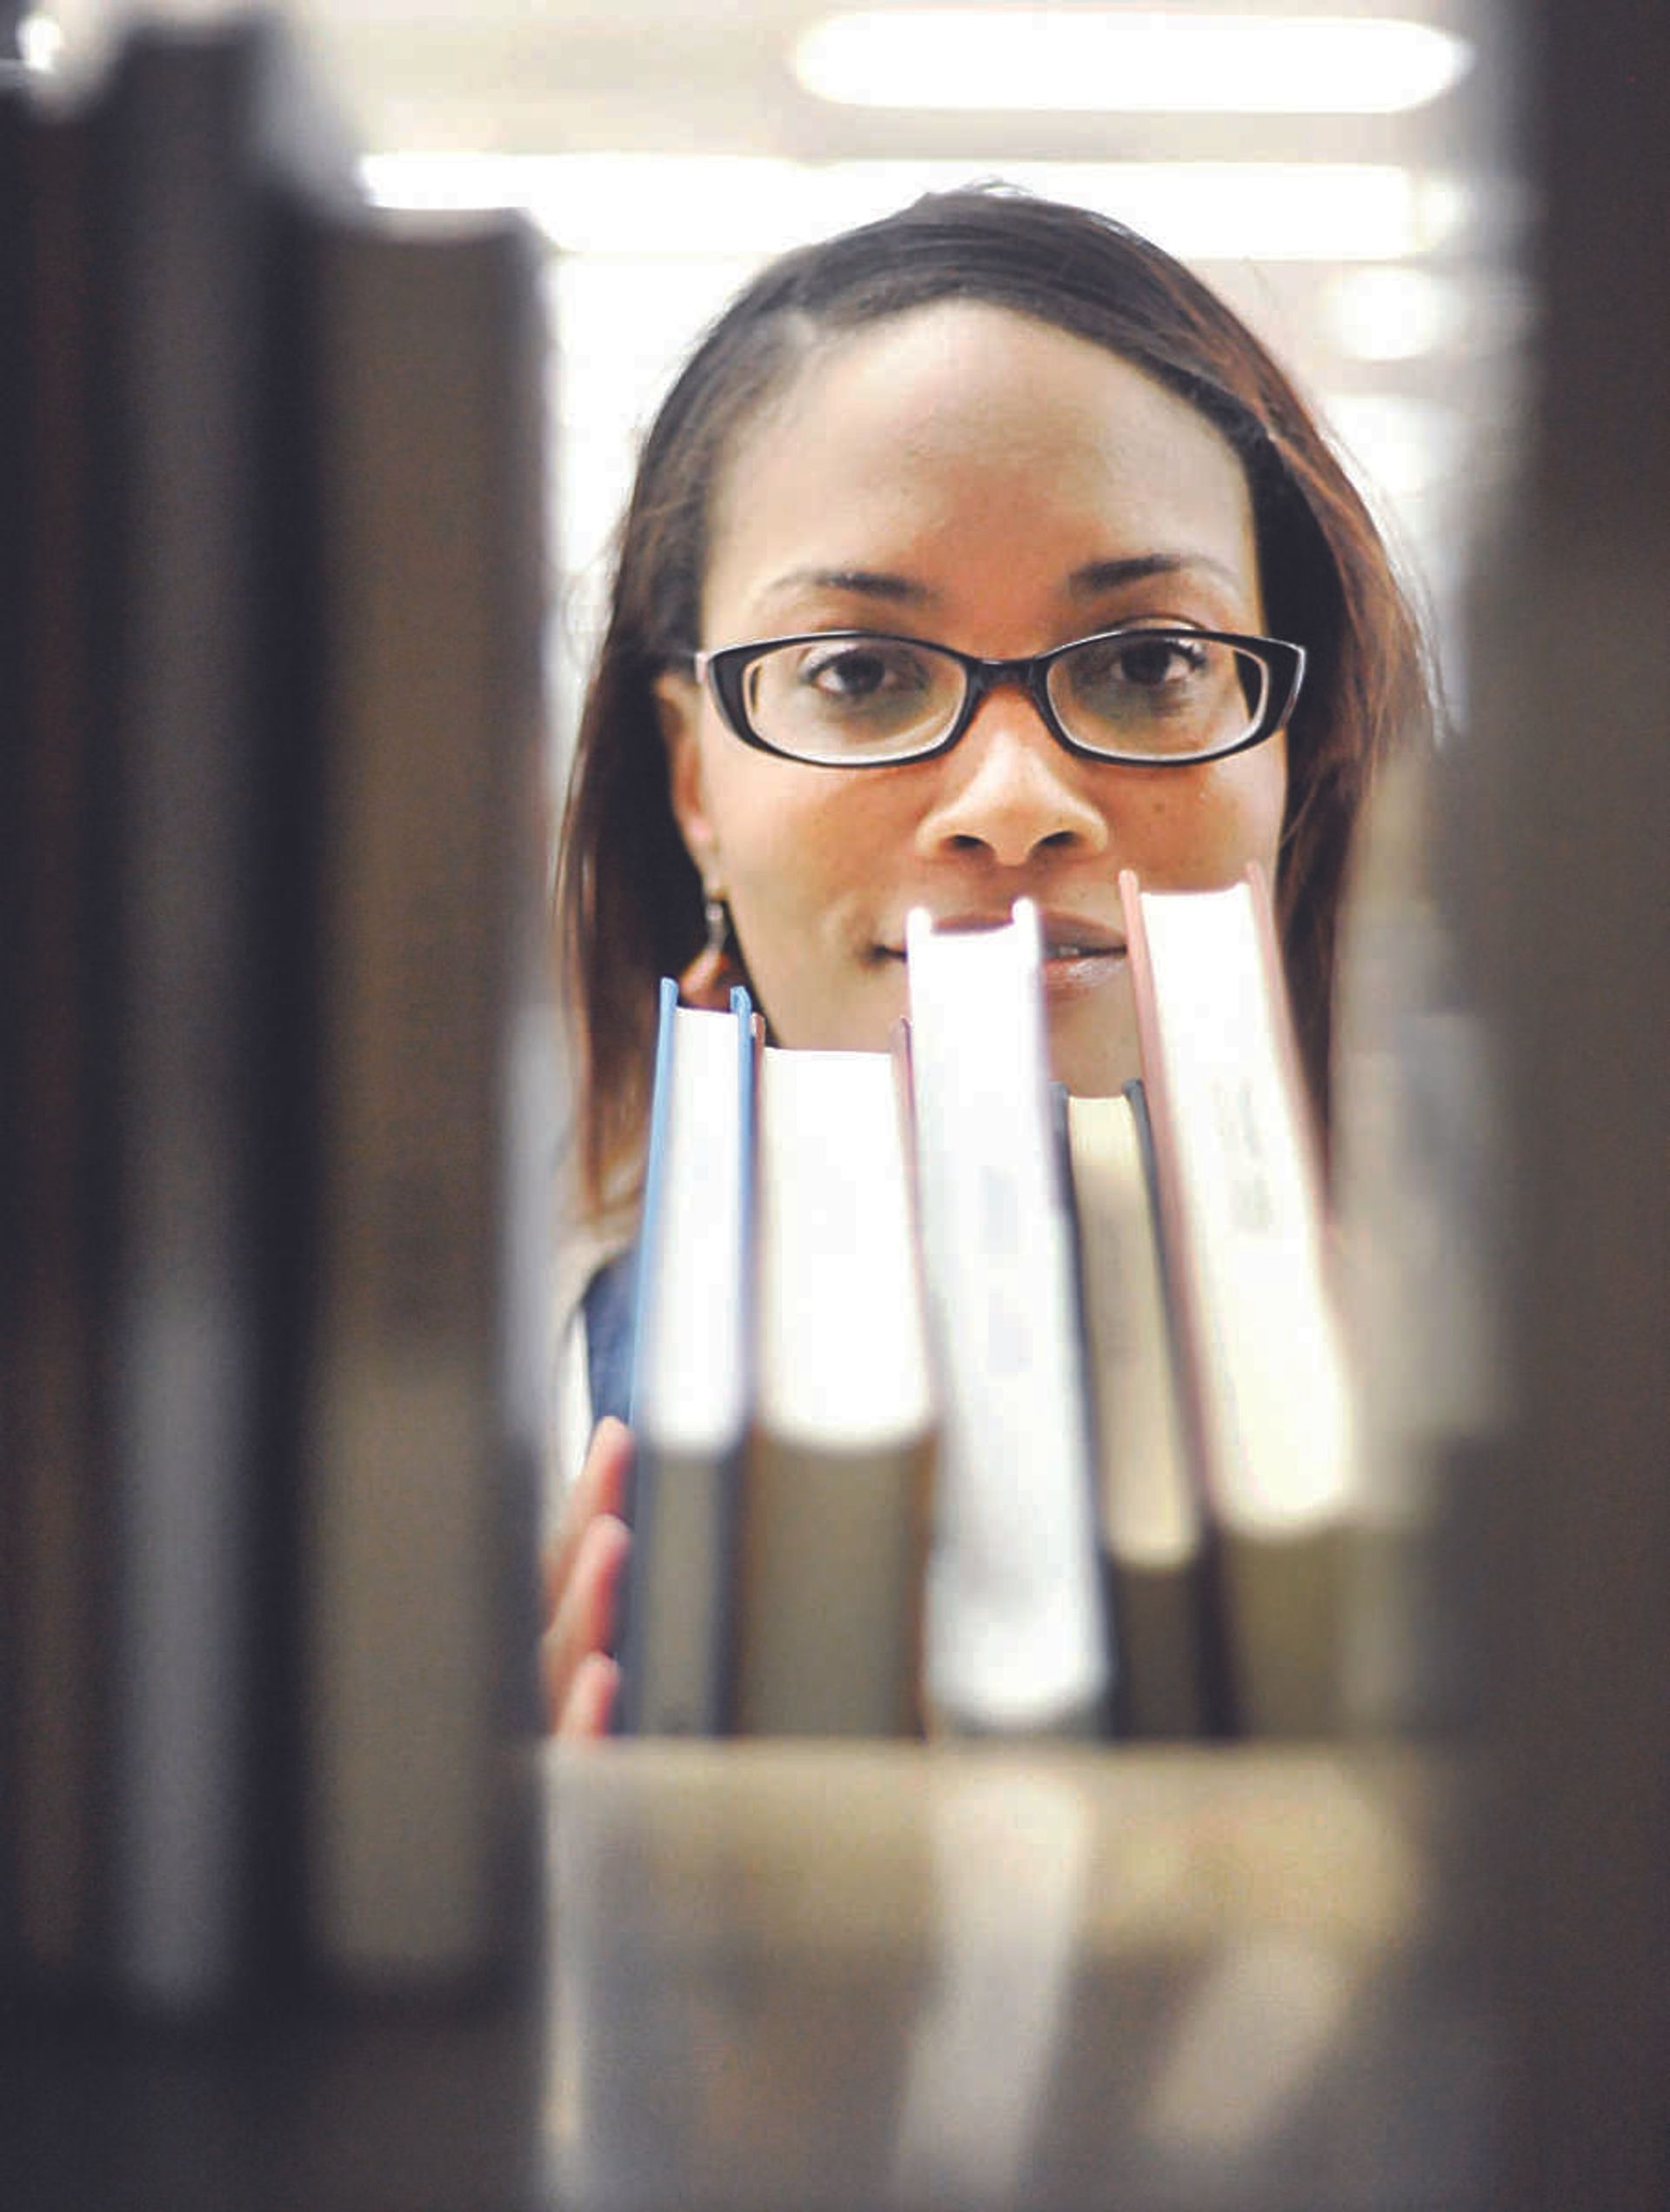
x=1150, y=663
x=861, y=671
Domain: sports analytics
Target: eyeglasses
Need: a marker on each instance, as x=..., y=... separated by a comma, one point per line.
x=1150, y=695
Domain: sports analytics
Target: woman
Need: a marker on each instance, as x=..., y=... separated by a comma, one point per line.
x=904, y=463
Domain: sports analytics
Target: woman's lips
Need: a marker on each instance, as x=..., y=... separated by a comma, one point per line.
x=1072, y=972
x=1080, y=958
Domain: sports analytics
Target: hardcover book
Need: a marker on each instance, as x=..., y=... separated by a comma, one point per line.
x=1151, y=1527
x=1242, y=1223
x=1017, y=1634
x=692, y=1369
x=838, y=1487
x=427, y=344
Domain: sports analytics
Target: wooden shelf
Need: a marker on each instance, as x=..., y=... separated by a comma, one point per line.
x=879, y=1976
x=886, y=1976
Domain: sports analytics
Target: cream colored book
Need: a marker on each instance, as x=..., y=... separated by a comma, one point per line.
x=838, y=1470
x=1241, y=1211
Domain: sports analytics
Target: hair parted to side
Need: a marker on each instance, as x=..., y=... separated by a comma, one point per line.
x=630, y=903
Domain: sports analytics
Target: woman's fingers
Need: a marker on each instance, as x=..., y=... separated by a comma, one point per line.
x=583, y=1568
x=589, y=1704
x=582, y=1625
x=599, y=1487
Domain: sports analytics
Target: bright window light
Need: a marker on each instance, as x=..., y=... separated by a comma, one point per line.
x=1115, y=60
x=663, y=205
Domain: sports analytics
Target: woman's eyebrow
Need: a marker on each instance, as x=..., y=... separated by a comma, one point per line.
x=865, y=583
x=1089, y=582
x=1096, y=577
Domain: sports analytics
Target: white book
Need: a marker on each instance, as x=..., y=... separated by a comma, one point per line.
x=1016, y=1637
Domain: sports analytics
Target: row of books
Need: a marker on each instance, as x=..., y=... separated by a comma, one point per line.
x=271, y=695
x=964, y=1406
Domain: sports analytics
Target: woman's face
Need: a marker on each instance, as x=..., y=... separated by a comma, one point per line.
x=965, y=475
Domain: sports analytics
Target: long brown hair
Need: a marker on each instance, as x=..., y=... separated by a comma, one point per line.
x=629, y=898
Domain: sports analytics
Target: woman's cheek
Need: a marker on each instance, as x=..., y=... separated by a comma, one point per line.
x=1207, y=825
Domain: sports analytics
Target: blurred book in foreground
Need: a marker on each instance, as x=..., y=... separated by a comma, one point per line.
x=276, y=674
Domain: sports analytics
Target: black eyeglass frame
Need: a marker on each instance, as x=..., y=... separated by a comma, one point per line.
x=725, y=668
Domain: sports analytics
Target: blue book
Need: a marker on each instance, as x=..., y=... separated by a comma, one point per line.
x=691, y=1382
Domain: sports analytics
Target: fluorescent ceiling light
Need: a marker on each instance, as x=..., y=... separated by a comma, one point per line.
x=1395, y=314
x=40, y=42
x=1398, y=448
x=1127, y=61
x=671, y=206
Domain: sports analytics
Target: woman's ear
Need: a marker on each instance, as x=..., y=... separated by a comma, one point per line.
x=678, y=708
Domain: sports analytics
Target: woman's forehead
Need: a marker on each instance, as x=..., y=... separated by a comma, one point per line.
x=967, y=418
x=953, y=369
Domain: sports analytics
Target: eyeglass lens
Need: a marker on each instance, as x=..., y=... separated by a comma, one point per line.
x=1152, y=695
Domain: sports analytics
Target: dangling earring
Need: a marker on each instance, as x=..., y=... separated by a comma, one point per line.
x=708, y=980
x=718, y=917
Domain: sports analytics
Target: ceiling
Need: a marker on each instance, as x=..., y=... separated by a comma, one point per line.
x=1430, y=421
x=714, y=77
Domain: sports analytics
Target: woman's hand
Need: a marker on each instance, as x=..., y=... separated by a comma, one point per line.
x=582, y=1578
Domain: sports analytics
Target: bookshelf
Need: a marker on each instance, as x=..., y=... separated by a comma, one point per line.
x=978, y=1977
x=865, y=1977
x=895, y=1978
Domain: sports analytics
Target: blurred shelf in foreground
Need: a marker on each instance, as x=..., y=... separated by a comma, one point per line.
x=882, y=1976
x=878, y=1976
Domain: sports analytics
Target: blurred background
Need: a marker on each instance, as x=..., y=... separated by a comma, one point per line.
x=1340, y=170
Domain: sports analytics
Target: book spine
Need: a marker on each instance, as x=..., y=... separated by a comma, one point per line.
x=751, y=1046
x=187, y=218
x=678, y=1610
x=1016, y=1637
x=14, y=219
x=632, y=1623
x=1212, y=1710
x=655, y=1182
x=1158, y=1124
x=55, y=1618
x=841, y=1452
x=1182, y=1294
x=425, y=433
x=1279, y=1001
x=1221, y=1673
x=1240, y=1206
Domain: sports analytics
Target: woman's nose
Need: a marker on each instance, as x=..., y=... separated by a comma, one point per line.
x=1009, y=790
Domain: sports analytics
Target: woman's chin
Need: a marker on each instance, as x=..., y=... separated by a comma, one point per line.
x=1093, y=1038
x=859, y=1013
